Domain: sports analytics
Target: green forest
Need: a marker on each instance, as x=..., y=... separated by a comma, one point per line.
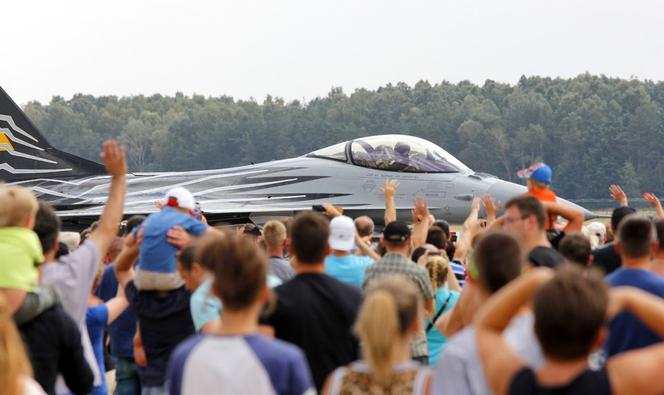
x=593, y=130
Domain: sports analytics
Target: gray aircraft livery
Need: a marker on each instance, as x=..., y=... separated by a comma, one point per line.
x=348, y=175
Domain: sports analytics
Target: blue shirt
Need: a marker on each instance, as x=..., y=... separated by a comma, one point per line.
x=205, y=307
x=96, y=319
x=252, y=364
x=157, y=254
x=123, y=329
x=349, y=269
x=435, y=339
x=626, y=332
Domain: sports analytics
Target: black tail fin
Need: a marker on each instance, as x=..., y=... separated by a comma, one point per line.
x=25, y=153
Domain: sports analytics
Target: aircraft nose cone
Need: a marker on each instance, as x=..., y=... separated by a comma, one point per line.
x=504, y=191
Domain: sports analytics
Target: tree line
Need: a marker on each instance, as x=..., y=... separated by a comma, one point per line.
x=593, y=130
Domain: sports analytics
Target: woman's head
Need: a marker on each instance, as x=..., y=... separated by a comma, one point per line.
x=14, y=363
x=391, y=312
x=438, y=267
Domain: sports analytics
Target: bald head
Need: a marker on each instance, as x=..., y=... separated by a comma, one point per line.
x=364, y=226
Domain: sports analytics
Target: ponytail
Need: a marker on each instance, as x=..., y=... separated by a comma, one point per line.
x=389, y=310
x=438, y=267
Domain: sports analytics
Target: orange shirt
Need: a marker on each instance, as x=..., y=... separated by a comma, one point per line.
x=546, y=195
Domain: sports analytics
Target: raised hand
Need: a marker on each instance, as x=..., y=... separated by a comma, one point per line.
x=653, y=200
x=491, y=206
x=390, y=188
x=421, y=210
x=618, y=195
x=114, y=158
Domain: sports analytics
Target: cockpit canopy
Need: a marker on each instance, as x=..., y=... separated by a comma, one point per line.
x=394, y=152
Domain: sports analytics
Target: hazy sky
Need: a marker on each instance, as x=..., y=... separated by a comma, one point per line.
x=299, y=49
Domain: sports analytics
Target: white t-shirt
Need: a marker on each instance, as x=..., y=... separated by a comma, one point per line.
x=72, y=276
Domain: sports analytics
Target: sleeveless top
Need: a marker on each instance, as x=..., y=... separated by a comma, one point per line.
x=407, y=378
x=588, y=382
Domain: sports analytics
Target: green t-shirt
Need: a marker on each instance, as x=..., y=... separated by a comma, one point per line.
x=20, y=254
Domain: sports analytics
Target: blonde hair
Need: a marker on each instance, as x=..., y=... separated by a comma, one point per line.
x=16, y=204
x=14, y=364
x=438, y=267
x=274, y=234
x=390, y=307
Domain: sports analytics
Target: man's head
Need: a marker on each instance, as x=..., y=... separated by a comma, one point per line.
x=180, y=199
x=575, y=248
x=133, y=222
x=437, y=237
x=570, y=330
x=364, y=226
x=498, y=260
x=636, y=238
x=192, y=272
x=524, y=217
x=309, y=233
x=274, y=234
x=396, y=237
x=618, y=215
x=240, y=270
x=444, y=225
x=47, y=227
x=18, y=207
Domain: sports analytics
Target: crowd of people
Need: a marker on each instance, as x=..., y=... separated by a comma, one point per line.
x=530, y=301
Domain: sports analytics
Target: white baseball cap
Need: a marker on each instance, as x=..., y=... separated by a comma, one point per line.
x=180, y=197
x=342, y=233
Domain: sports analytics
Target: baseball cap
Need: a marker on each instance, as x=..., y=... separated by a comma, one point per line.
x=539, y=172
x=396, y=231
x=342, y=233
x=597, y=228
x=180, y=197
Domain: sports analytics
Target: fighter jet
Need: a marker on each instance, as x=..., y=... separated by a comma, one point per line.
x=348, y=174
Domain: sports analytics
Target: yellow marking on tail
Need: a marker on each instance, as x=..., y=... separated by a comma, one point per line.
x=4, y=142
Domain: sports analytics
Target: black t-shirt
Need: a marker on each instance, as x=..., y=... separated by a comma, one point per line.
x=316, y=312
x=54, y=346
x=545, y=256
x=588, y=382
x=606, y=258
x=164, y=320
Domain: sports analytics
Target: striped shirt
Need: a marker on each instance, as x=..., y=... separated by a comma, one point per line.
x=397, y=264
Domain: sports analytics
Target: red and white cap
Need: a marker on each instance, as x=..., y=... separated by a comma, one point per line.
x=180, y=197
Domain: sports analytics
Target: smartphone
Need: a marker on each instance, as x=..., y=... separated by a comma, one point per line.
x=318, y=208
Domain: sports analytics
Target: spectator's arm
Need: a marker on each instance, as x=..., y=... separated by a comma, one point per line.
x=332, y=211
x=117, y=305
x=365, y=249
x=638, y=371
x=454, y=320
x=73, y=366
x=124, y=265
x=491, y=207
x=429, y=306
x=471, y=227
x=655, y=203
x=500, y=363
x=114, y=159
x=389, y=191
x=618, y=195
x=421, y=222
x=574, y=216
